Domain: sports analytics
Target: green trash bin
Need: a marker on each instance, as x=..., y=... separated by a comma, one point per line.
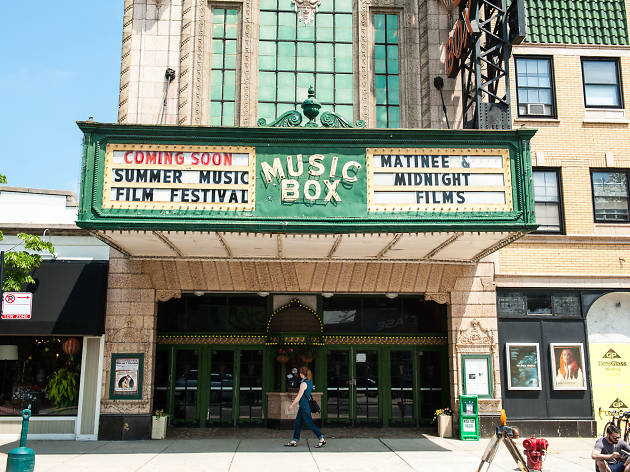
x=468, y=418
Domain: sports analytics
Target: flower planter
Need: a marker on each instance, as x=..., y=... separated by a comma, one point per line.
x=158, y=427
x=282, y=358
x=445, y=426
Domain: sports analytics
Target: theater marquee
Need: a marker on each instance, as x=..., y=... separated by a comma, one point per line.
x=154, y=177
x=439, y=179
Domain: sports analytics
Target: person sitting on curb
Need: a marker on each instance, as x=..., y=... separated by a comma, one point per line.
x=611, y=452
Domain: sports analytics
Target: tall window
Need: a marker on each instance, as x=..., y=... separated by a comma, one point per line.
x=534, y=84
x=547, y=201
x=294, y=56
x=223, y=75
x=610, y=196
x=601, y=83
x=386, y=71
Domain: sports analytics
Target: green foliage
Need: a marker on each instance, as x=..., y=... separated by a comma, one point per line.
x=18, y=265
x=63, y=387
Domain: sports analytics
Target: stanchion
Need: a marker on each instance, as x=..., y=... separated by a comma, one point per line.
x=22, y=459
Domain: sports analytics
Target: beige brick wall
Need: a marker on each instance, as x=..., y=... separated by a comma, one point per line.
x=575, y=147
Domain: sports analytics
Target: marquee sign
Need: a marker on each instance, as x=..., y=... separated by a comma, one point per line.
x=283, y=180
x=439, y=179
x=146, y=176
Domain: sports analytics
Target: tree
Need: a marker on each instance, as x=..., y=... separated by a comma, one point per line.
x=18, y=265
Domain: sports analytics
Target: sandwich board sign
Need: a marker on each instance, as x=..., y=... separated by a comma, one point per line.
x=17, y=305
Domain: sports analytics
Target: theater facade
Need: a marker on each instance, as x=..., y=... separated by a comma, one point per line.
x=241, y=253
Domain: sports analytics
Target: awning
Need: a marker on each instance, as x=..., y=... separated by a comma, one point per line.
x=68, y=299
x=436, y=247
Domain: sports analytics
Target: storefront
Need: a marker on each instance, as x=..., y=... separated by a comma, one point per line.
x=50, y=363
x=242, y=253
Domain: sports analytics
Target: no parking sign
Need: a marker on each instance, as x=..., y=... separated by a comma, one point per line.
x=16, y=305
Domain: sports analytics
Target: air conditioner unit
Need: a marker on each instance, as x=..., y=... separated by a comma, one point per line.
x=535, y=108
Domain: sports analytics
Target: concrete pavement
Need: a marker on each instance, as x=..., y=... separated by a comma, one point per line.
x=398, y=454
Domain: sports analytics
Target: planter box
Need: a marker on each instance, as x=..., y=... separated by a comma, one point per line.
x=158, y=427
x=445, y=426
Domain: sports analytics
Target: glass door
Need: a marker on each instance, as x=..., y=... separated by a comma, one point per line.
x=401, y=386
x=250, y=386
x=352, y=385
x=221, y=386
x=366, y=386
x=338, y=385
x=431, y=383
x=186, y=377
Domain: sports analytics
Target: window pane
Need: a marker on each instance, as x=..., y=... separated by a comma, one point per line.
x=601, y=95
x=321, y=55
x=610, y=191
x=600, y=72
x=224, y=61
x=534, y=86
x=386, y=69
x=547, y=198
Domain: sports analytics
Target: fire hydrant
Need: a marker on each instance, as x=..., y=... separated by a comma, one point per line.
x=535, y=450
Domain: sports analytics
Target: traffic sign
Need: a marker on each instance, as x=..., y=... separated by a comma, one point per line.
x=17, y=305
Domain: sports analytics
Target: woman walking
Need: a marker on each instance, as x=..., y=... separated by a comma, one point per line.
x=304, y=411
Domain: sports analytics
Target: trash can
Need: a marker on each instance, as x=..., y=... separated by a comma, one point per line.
x=468, y=418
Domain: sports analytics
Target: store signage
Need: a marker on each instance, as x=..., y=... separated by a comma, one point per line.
x=302, y=182
x=438, y=179
x=296, y=182
x=158, y=177
x=462, y=36
x=17, y=305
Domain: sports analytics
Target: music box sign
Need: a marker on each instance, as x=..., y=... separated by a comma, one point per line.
x=439, y=179
x=179, y=177
x=302, y=182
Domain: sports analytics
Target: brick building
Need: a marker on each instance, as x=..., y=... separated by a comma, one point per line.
x=399, y=306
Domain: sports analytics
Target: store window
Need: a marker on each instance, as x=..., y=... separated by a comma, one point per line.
x=224, y=60
x=386, y=71
x=292, y=56
x=534, y=85
x=40, y=373
x=547, y=200
x=383, y=315
x=601, y=83
x=213, y=314
x=610, y=196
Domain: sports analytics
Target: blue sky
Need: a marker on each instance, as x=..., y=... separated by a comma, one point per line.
x=60, y=64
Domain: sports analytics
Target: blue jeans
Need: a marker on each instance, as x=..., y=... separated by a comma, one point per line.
x=616, y=467
x=304, y=416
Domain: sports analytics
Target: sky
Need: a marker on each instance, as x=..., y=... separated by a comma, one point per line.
x=60, y=64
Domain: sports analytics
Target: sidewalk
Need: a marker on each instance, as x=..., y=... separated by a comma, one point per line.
x=245, y=454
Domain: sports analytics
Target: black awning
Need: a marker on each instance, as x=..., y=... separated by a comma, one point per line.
x=68, y=298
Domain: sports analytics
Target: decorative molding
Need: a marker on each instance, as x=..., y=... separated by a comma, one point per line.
x=442, y=298
x=391, y=340
x=184, y=94
x=306, y=9
x=328, y=340
x=166, y=295
x=125, y=62
x=475, y=335
x=198, y=97
x=212, y=339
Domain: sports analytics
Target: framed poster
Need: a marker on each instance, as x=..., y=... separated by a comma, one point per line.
x=523, y=366
x=126, y=376
x=567, y=366
x=477, y=375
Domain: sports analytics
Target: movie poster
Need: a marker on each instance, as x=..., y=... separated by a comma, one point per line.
x=523, y=364
x=567, y=366
x=126, y=375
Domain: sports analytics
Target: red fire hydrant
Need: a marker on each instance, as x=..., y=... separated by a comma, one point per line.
x=535, y=450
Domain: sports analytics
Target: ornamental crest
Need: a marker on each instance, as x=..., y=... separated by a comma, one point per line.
x=475, y=335
x=306, y=9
